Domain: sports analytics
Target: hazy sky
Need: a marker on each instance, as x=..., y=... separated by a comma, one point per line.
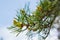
x=8, y=9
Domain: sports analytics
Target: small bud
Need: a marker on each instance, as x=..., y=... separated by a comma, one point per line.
x=14, y=22
x=22, y=11
x=17, y=24
x=29, y=28
x=39, y=8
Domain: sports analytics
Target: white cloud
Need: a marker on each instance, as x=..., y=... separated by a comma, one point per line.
x=5, y=33
x=53, y=35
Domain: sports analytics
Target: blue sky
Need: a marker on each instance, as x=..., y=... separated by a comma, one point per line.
x=8, y=9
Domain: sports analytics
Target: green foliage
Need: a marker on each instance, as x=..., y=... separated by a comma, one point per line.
x=42, y=18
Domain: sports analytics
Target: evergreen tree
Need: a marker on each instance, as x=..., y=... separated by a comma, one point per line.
x=40, y=20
